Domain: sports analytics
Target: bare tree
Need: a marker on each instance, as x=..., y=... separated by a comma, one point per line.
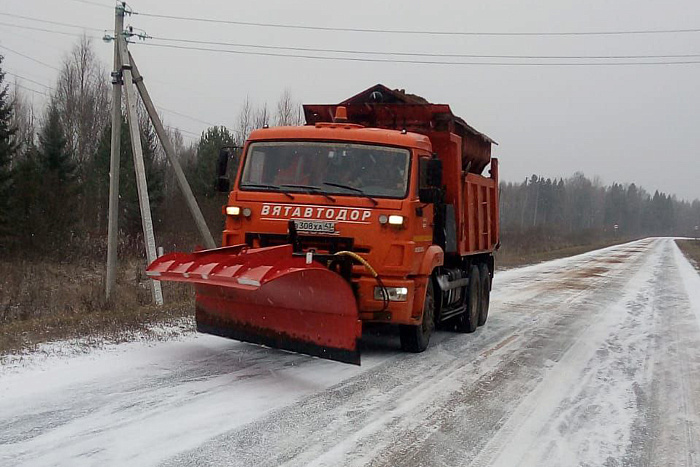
x=23, y=120
x=288, y=110
x=82, y=101
x=82, y=98
x=262, y=116
x=244, y=124
x=178, y=144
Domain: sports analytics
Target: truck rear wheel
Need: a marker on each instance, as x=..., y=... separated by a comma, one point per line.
x=416, y=338
x=485, y=294
x=469, y=320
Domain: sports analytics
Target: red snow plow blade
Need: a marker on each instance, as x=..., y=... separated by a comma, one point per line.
x=269, y=296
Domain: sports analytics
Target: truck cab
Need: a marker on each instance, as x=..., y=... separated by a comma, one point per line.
x=345, y=188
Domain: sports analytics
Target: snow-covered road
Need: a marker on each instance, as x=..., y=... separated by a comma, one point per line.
x=592, y=360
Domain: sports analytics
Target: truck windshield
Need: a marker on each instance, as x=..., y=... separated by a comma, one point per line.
x=328, y=167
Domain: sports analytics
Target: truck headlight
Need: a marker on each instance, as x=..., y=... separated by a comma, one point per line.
x=395, y=219
x=396, y=294
x=233, y=210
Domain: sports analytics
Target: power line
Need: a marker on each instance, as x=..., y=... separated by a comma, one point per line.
x=421, y=62
x=87, y=2
x=425, y=32
x=29, y=58
x=196, y=119
x=419, y=54
x=43, y=93
x=30, y=80
x=186, y=116
x=191, y=133
x=32, y=38
x=363, y=52
x=57, y=23
x=52, y=31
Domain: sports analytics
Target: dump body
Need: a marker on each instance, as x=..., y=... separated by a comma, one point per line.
x=345, y=193
x=464, y=151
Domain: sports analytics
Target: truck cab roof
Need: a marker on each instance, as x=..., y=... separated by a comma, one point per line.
x=343, y=132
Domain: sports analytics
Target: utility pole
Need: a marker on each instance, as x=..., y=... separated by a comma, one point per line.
x=112, y=220
x=141, y=183
x=127, y=74
x=170, y=154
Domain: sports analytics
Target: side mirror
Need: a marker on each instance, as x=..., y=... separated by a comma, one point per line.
x=223, y=184
x=429, y=195
x=429, y=189
x=433, y=172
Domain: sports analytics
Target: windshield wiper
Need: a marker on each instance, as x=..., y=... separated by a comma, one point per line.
x=314, y=188
x=352, y=188
x=268, y=187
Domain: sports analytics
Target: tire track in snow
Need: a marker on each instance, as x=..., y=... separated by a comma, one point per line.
x=582, y=411
x=137, y=415
x=671, y=434
x=633, y=403
x=538, y=361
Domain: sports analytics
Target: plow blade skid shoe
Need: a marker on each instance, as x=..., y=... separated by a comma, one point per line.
x=268, y=296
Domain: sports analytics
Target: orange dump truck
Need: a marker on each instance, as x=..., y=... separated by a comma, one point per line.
x=375, y=211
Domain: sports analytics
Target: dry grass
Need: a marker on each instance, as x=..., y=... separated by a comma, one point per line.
x=43, y=302
x=112, y=326
x=691, y=249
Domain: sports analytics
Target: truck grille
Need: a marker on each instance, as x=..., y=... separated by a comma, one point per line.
x=317, y=242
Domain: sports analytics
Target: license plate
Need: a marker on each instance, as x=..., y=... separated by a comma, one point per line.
x=315, y=226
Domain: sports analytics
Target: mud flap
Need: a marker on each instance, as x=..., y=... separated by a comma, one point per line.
x=269, y=296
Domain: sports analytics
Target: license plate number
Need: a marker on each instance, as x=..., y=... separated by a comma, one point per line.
x=315, y=226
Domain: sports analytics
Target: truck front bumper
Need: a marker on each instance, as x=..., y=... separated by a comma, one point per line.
x=397, y=312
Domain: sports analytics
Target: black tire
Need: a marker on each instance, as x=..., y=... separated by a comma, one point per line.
x=416, y=338
x=469, y=320
x=485, y=294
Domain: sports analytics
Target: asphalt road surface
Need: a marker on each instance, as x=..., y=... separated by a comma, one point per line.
x=586, y=361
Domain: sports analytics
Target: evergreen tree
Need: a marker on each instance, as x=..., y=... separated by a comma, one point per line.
x=615, y=210
x=98, y=183
x=7, y=152
x=633, y=201
x=59, y=178
x=204, y=176
x=28, y=199
x=129, y=210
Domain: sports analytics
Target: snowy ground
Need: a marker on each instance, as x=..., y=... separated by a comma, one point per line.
x=586, y=361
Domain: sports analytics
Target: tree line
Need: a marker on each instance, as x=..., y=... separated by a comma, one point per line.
x=54, y=165
x=54, y=177
x=576, y=205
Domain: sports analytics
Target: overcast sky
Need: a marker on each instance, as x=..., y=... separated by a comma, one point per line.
x=622, y=123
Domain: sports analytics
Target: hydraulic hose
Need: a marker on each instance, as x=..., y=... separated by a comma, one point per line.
x=365, y=263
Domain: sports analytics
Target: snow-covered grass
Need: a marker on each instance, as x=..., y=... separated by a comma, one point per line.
x=48, y=354
x=691, y=249
x=43, y=301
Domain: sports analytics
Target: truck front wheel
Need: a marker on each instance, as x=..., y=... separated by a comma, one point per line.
x=416, y=338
